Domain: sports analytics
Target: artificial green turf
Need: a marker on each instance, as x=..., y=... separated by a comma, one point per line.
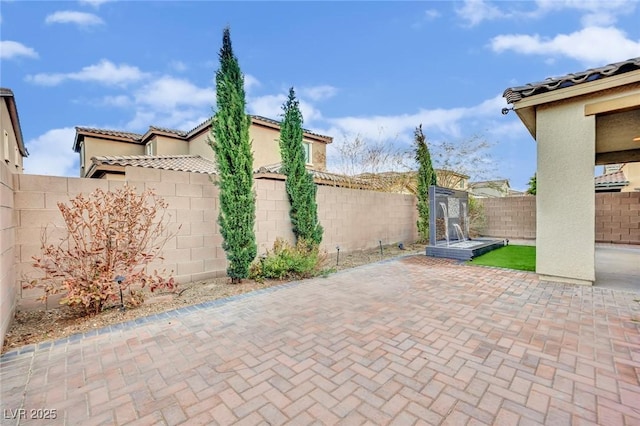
x=513, y=257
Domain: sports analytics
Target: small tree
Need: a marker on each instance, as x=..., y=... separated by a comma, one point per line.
x=457, y=161
x=232, y=148
x=110, y=236
x=426, y=177
x=360, y=157
x=533, y=184
x=300, y=187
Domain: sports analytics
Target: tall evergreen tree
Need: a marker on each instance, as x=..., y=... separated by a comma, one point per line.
x=301, y=189
x=426, y=177
x=234, y=158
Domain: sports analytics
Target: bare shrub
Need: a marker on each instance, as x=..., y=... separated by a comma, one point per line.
x=111, y=236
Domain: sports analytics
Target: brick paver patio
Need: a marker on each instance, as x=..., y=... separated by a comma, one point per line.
x=409, y=341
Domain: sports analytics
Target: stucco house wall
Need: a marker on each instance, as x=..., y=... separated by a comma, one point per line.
x=565, y=219
x=10, y=153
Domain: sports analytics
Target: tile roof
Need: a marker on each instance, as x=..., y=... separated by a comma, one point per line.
x=182, y=163
x=339, y=180
x=514, y=94
x=611, y=179
x=108, y=132
x=205, y=123
x=278, y=123
x=484, y=183
x=167, y=130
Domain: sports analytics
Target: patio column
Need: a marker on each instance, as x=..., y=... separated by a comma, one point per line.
x=565, y=202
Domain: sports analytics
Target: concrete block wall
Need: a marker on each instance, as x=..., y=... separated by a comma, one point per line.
x=352, y=219
x=618, y=217
x=8, y=225
x=194, y=252
x=509, y=217
x=355, y=219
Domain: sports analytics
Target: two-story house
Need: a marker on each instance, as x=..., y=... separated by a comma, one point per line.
x=105, y=153
x=12, y=150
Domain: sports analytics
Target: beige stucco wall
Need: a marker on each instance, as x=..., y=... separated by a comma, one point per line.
x=6, y=125
x=200, y=146
x=164, y=145
x=265, y=147
x=265, y=144
x=565, y=218
x=8, y=225
x=96, y=147
x=632, y=173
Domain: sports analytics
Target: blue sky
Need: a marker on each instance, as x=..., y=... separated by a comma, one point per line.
x=373, y=69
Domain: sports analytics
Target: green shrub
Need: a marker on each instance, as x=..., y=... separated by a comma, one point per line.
x=303, y=260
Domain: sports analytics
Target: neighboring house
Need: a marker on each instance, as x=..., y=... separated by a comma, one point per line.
x=104, y=153
x=12, y=149
x=516, y=193
x=452, y=180
x=490, y=188
x=619, y=178
x=406, y=182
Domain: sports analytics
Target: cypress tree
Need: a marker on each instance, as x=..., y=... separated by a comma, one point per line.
x=300, y=187
x=426, y=177
x=234, y=158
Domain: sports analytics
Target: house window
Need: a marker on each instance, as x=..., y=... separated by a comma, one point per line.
x=307, y=152
x=148, y=149
x=6, y=146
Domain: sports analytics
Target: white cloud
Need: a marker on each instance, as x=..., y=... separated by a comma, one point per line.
x=473, y=12
x=104, y=72
x=82, y=19
x=250, y=82
x=594, y=12
x=171, y=102
x=593, y=46
x=178, y=66
x=50, y=154
x=431, y=14
x=119, y=101
x=13, y=49
x=169, y=92
x=440, y=121
x=318, y=93
x=269, y=106
x=94, y=3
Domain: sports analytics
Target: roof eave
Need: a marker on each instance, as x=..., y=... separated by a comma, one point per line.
x=15, y=119
x=526, y=107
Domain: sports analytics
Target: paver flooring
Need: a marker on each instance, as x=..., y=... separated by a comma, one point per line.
x=409, y=341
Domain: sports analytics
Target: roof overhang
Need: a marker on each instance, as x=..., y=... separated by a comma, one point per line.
x=7, y=95
x=526, y=108
x=81, y=133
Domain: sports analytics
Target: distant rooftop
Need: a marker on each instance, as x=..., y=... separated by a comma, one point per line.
x=616, y=179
